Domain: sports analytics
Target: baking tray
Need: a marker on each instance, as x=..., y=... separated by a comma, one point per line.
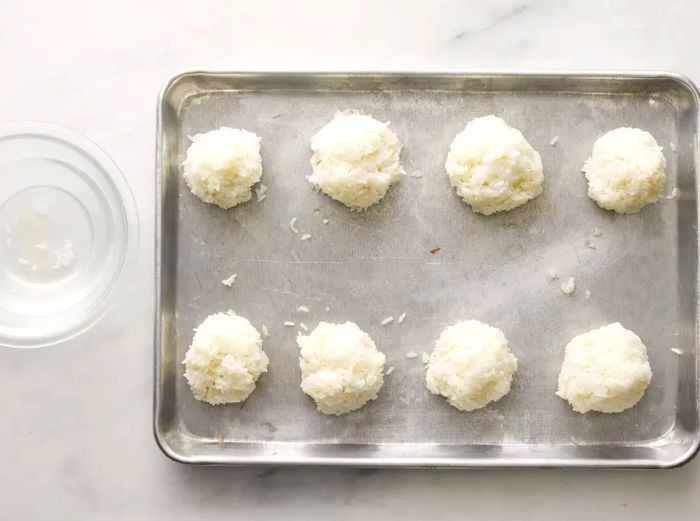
x=367, y=266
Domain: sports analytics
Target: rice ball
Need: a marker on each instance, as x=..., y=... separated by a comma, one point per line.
x=225, y=359
x=355, y=160
x=223, y=165
x=626, y=170
x=341, y=367
x=471, y=365
x=492, y=167
x=604, y=370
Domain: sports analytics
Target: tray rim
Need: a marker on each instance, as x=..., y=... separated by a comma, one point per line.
x=401, y=462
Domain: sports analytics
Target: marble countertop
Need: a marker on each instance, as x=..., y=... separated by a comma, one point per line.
x=76, y=439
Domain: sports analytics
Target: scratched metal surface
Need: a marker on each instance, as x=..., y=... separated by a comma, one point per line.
x=365, y=267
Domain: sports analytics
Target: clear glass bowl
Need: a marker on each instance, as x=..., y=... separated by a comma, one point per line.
x=68, y=233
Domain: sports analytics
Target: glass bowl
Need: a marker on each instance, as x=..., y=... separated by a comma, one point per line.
x=68, y=233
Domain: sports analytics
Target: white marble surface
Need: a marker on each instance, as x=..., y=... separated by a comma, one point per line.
x=75, y=437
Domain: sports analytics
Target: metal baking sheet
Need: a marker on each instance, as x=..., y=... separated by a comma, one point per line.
x=367, y=266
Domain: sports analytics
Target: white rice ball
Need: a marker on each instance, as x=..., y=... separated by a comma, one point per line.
x=471, y=365
x=223, y=165
x=492, y=167
x=355, y=160
x=626, y=170
x=341, y=367
x=225, y=359
x=604, y=370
